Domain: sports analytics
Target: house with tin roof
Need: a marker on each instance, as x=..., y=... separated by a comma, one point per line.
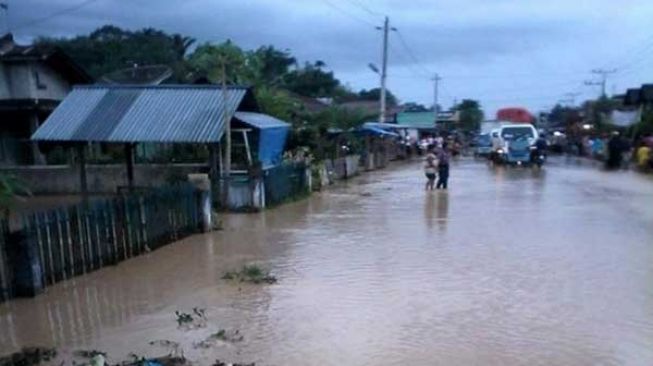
x=34, y=79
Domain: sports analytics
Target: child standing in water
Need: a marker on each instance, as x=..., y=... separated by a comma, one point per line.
x=430, y=169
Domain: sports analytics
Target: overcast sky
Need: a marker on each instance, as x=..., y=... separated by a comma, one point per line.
x=501, y=52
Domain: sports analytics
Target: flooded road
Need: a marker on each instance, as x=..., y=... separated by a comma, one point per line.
x=510, y=267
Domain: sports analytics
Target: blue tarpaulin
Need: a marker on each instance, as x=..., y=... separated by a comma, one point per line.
x=272, y=136
x=376, y=129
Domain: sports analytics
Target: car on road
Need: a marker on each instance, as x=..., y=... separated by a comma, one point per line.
x=483, y=145
x=515, y=142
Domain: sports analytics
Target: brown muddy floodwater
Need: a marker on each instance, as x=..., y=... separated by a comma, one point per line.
x=511, y=267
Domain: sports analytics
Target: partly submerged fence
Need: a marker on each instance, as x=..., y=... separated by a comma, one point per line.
x=59, y=244
x=285, y=182
x=266, y=188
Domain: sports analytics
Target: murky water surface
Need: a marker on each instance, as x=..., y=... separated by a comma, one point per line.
x=511, y=267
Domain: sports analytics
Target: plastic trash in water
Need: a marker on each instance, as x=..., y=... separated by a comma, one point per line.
x=98, y=360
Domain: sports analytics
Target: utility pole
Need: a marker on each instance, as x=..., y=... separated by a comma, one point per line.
x=604, y=78
x=384, y=66
x=227, y=131
x=436, y=79
x=4, y=8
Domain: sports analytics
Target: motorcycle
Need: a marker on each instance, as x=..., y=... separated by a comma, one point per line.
x=538, y=157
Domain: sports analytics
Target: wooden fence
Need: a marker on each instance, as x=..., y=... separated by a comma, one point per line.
x=75, y=240
x=285, y=182
x=5, y=279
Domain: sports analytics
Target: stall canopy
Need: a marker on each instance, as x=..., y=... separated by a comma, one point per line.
x=272, y=136
x=378, y=129
x=132, y=114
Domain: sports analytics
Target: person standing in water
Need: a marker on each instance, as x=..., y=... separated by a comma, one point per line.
x=443, y=167
x=430, y=169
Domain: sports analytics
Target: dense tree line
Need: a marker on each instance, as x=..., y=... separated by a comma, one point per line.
x=276, y=74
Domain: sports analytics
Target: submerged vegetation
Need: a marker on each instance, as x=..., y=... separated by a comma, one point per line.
x=195, y=320
x=29, y=356
x=251, y=274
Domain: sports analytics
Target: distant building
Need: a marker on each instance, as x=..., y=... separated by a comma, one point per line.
x=427, y=119
x=33, y=81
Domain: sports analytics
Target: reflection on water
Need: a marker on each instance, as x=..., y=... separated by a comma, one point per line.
x=509, y=267
x=436, y=209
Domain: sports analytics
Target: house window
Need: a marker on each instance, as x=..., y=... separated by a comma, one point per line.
x=39, y=84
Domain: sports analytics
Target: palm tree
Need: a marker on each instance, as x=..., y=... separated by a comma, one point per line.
x=181, y=45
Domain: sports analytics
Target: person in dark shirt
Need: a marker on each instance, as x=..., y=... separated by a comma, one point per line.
x=443, y=166
x=615, y=152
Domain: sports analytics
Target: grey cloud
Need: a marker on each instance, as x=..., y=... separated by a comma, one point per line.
x=478, y=36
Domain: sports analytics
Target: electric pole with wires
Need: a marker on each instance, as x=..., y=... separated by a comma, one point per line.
x=436, y=80
x=604, y=78
x=384, y=67
x=4, y=9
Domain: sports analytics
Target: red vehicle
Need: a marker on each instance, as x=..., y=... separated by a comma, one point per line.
x=515, y=114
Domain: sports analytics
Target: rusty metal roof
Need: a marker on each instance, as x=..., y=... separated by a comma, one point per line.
x=130, y=114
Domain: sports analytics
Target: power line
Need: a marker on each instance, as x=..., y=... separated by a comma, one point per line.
x=359, y=4
x=416, y=73
x=55, y=14
x=348, y=14
x=410, y=52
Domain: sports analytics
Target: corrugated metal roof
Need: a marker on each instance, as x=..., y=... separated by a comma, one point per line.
x=260, y=121
x=122, y=113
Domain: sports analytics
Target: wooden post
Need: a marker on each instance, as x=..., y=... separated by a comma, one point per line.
x=227, y=124
x=129, y=156
x=83, y=185
x=214, y=155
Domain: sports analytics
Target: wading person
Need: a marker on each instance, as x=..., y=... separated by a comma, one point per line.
x=615, y=152
x=443, y=167
x=430, y=169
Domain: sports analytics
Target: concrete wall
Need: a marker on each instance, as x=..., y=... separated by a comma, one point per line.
x=19, y=81
x=5, y=91
x=64, y=179
x=56, y=87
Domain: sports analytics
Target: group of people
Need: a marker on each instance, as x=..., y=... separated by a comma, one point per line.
x=616, y=150
x=436, y=166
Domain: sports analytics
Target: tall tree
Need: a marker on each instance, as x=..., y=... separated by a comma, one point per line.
x=470, y=115
x=110, y=48
x=312, y=81
x=271, y=64
x=375, y=94
x=206, y=61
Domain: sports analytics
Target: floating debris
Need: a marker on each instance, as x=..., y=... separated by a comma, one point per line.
x=195, y=320
x=251, y=274
x=220, y=363
x=158, y=361
x=89, y=353
x=29, y=356
x=220, y=336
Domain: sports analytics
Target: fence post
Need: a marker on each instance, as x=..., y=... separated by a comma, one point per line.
x=202, y=183
x=26, y=265
x=5, y=281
